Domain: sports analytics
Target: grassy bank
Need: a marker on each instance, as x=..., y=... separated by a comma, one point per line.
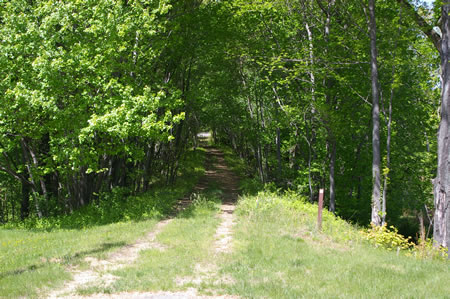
x=34, y=255
x=279, y=254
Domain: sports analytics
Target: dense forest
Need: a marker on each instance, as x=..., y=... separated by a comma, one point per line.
x=345, y=95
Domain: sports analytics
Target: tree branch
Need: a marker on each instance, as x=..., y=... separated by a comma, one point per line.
x=426, y=28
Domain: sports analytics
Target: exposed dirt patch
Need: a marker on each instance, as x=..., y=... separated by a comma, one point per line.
x=190, y=293
x=224, y=231
x=230, y=186
x=115, y=260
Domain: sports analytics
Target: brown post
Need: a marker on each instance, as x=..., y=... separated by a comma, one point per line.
x=319, y=213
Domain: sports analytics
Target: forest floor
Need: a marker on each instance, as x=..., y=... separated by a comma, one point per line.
x=98, y=275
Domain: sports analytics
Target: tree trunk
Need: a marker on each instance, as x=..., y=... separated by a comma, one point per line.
x=2, y=208
x=279, y=167
x=332, y=183
x=25, y=203
x=441, y=227
x=388, y=154
x=441, y=230
x=376, y=191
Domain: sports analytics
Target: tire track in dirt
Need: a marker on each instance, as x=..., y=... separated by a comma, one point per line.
x=116, y=260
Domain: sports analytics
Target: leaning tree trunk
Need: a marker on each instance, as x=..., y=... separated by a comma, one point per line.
x=376, y=191
x=441, y=232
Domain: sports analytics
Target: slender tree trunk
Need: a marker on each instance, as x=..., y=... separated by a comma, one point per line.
x=311, y=195
x=278, y=141
x=13, y=211
x=441, y=231
x=388, y=157
x=30, y=173
x=332, y=183
x=25, y=203
x=331, y=140
x=311, y=61
x=422, y=229
x=376, y=191
x=2, y=208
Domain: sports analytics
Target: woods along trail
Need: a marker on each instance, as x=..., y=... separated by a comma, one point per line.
x=99, y=270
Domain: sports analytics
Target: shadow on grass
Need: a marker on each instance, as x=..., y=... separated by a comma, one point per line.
x=65, y=259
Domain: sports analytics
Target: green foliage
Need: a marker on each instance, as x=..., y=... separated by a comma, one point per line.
x=121, y=206
x=44, y=247
x=108, y=95
x=86, y=109
x=426, y=249
x=387, y=237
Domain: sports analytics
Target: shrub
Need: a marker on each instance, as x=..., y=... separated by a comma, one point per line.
x=387, y=237
x=425, y=249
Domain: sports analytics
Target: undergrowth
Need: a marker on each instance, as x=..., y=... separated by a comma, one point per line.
x=385, y=237
x=120, y=205
x=332, y=226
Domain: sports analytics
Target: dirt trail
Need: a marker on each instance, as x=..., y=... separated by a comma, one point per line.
x=229, y=184
x=216, y=171
x=115, y=260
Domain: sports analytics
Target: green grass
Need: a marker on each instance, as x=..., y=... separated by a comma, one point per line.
x=187, y=241
x=279, y=254
x=33, y=260
x=34, y=254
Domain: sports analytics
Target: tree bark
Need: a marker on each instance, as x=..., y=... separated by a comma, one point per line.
x=441, y=227
x=25, y=203
x=332, y=182
x=278, y=141
x=442, y=182
x=388, y=158
x=376, y=191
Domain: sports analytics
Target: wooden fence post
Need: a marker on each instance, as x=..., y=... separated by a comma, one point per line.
x=319, y=213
